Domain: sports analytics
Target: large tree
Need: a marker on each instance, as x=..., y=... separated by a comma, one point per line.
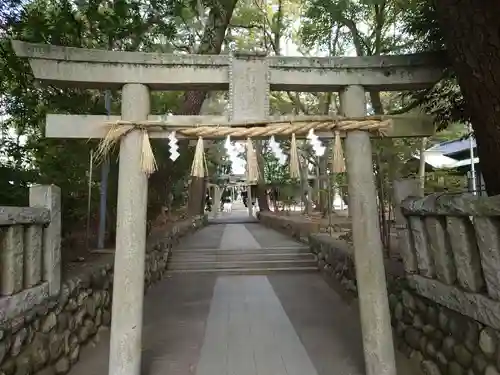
x=471, y=33
x=468, y=31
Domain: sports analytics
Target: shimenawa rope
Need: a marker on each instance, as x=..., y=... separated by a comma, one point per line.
x=121, y=128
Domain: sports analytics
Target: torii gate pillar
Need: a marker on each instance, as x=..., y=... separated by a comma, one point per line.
x=370, y=273
x=128, y=281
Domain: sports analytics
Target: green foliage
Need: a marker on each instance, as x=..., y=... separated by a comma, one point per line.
x=444, y=100
x=26, y=157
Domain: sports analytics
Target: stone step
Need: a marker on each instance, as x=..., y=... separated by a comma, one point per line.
x=241, y=264
x=267, y=250
x=197, y=257
x=247, y=271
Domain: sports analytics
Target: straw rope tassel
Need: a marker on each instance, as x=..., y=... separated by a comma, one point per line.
x=113, y=135
x=148, y=161
x=294, y=159
x=198, y=169
x=338, y=163
x=252, y=164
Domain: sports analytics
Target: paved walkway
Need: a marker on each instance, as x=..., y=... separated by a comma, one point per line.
x=279, y=324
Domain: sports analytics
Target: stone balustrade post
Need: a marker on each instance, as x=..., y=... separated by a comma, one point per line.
x=370, y=273
x=11, y=259
x=128, y=293
x=403, y=189
x=217, y=200
x=46, y=196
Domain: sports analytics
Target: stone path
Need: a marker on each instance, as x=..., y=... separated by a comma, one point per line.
x=249, y=333
x=210, y=324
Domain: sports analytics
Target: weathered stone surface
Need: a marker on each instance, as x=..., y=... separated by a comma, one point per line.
x=23, y=365
x=11, y=259
x=444, y=321
x=48, y=323
x=463, y=356
x=458, y=325
x=56, y=346
x=18, y=341
x=455, y=369
x=440, y=249
x=491, y=370
x=74, y=355
x=412, y=337
x=9, y=366
x=479, y=363
x=476, y=306
x=407, y=249
x=441, y=360
x=23, y=215
x=488, y=340
x=47, y=371
x=472, y=335
x=465, y=252
x=401, y=190
x=4, y=348
x=39, y=350
x=450, y=204
x=398, y=311
x=432, y=315
x=431, y=349
x=418, y=322
x=428, y=329
x=408, y=300
x=420, y=240
x=33, y=255
x=421, y=305
x=106, y=317
x=430, y=368
x=49, y=197
x=62, y=366
x=488, y=240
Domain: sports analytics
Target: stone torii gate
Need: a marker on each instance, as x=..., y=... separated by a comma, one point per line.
x=249, y=80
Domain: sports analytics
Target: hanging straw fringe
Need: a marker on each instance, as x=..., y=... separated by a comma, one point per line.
x=115, y=133
x=198, y=169
x=252, y=164
x=148, y=161
x=338, y=163
x=294, y=159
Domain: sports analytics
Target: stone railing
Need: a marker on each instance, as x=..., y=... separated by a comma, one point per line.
x=450, y=247
x=30, y=251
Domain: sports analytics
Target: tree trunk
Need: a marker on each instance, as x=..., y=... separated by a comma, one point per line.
x=304, y=185
x=471, y=32
x=211, y=44
x=261, y=187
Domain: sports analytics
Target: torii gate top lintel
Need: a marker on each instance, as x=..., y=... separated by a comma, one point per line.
x=108, y=69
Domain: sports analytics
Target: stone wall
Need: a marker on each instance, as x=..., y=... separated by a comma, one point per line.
x=449, y=330
x=48, y=338
x=298, y=229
